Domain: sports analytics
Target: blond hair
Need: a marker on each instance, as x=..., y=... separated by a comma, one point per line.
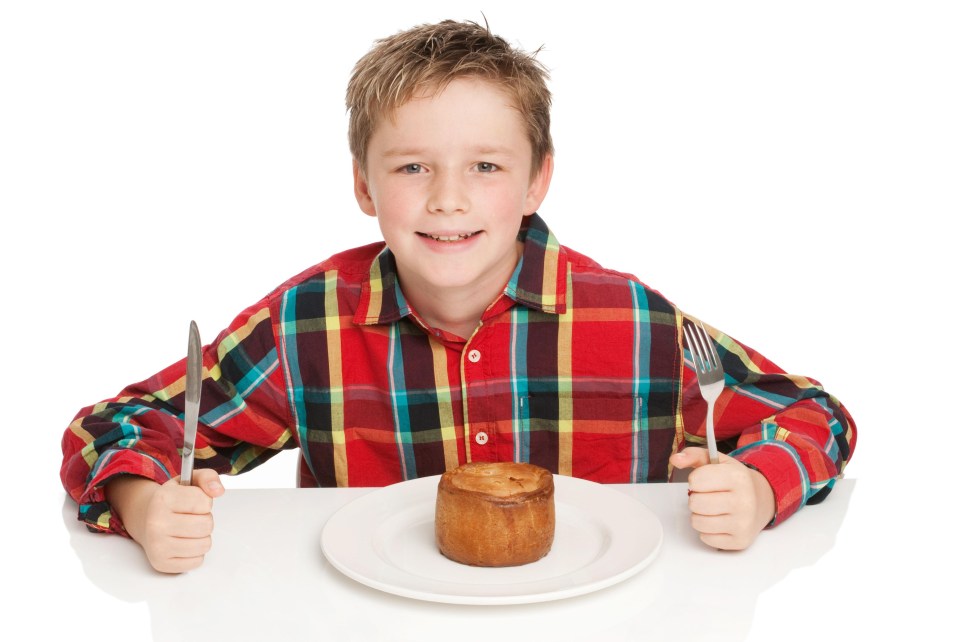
x=426, y=59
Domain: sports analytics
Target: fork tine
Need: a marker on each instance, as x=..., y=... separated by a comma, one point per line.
x=709, y=347
x=713, y=349
x=690, y=332
x=697, y=351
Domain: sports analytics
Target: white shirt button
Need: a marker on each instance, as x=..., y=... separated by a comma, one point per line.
x=474, y=356
x=481, y=438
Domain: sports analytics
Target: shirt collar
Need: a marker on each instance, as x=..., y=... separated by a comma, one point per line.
x=538, y=282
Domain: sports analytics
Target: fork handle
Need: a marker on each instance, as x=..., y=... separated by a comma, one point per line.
x=711, y=438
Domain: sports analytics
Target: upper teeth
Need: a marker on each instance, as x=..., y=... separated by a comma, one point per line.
x=458, y=237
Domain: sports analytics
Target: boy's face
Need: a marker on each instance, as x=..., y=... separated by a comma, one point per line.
x=449, y=180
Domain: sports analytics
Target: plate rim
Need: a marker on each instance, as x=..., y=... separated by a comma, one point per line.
x=423, y=484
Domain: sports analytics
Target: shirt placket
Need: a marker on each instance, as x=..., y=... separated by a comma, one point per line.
x=479, y=425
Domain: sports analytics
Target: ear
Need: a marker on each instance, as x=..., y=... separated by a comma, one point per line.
x=361, y=189
x=539, y=186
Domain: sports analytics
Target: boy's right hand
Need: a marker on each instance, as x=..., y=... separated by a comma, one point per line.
x=172, y=523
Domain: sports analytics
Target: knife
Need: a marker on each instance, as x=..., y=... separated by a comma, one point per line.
x=191, y=410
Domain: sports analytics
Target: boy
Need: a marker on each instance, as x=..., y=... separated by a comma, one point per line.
x=469, y=334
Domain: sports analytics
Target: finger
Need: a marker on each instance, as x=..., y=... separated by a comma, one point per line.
x=728, y=475
x=710, y=524
x=692, y=457
x=725, y=531
x=185, y=499
x=725, y=542
x=175, y=564
x=208, y=481
x=190, y=526
x=717, y=503
x=708, y=480
x=183, y=547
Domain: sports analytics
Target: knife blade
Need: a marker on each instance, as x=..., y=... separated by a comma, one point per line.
x=191, y=410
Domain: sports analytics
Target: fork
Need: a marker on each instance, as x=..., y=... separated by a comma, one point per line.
x=709, y=370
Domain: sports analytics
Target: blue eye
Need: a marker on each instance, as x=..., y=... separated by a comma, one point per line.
x=412, y=168
x=486, y=167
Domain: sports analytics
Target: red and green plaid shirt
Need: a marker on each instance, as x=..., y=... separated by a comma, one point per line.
x=579, y=369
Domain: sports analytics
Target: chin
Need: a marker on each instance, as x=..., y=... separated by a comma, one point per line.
x=455, y=282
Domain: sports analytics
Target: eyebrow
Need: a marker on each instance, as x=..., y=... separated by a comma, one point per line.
x=403, y=151
x=419, y=151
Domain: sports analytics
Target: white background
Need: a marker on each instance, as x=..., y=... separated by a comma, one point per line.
x=161, y=162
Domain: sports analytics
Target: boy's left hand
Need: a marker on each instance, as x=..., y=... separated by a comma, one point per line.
x=730, y=503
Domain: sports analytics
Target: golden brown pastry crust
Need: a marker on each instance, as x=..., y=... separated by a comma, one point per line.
x=495, y=513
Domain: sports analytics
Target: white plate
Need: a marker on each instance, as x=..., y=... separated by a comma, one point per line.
x=385, y=539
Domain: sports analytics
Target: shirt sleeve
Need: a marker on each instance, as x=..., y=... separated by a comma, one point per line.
x=244, y=420
x=798, y=436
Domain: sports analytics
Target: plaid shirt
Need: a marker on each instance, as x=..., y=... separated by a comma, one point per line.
x=575, y=368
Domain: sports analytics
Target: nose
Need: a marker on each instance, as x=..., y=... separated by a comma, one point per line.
x=448, y=194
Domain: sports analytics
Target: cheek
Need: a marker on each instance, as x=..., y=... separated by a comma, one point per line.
x=397, y=199
x=389, y=202
x=508, y=203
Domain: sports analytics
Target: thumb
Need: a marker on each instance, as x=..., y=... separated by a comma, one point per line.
x=692, y=457
x=208, y=481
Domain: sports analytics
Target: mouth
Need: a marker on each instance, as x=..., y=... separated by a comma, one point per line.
x=447, y=238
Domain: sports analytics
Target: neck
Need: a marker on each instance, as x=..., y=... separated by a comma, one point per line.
x=457, y=312
x=457, y=309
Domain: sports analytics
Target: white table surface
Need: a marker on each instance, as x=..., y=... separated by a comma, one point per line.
x=266, y=579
